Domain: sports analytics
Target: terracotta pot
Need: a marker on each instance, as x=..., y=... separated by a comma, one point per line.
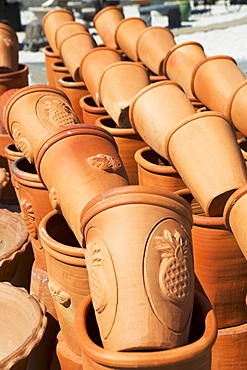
x=157, y=78
x=68, y=360
x=74, y=91
x=127, y=34
x=90, y=111
x=66, y=267
x=92, y=164
x=14, y=240
x=68, y=29
x=220, y=175
x=23, y=323
x=180, y=62
x=52, y=20
x=119, y=84
x=34, y=202
x=73, y=49
x=50, y=58
x=196, y=354
x=46, y=109
x=219, y=75
x=12, y=153
x=166, y=300
x=153, y=45
x=106, y=22
x=235, y=215
x=59, y=71
x=16, y=79
x=223, y=278
x=128, y=142
x=243, y=146
x=9, y=49
x=154, y=110
x=92, y=67
x=154, y=170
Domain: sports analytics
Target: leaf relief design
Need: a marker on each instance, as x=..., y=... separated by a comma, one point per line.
x=29, y=217
x=105, y=162
x=22, y=143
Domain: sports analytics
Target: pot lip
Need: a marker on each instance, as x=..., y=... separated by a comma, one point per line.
x=106, y=9
x=151, y=167
x=232, y=200
x=12, y=153
x=61, y=68
x=189, y=119
x=111, y=358
x=232, y=96
x=65, y=132
x=201, y=63
x=50, y=53
x=33, y=339
x=145, y=90
x=126, y=20
x=76, y=84
x=52, y=12
x=88, y=107
x=133, y=194
x=21, y=68
x=163, y=65
x=22, y=175
x=114, y=131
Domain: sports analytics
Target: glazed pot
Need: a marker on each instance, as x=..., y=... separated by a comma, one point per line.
x=154, y=110
x=59, y=71
x=92, y=67
x=68, y=29
x=127, y=34
x=91, y=162
x=220, y=175
x=90, y=111
x=180, y=62
x=46, y=109
x=74, y=91
x=153, y=45
x=154, y=170
x=51, y=21
x=105, y=21
x=16, y=79
x=119, y=84
x=23, y=323
x=162, y=250
x=128, y=142
x=66, y=267
x=195, y=355
x=9, y=49
x=50, y=58
x=14, y=241
x=67, y=358
x=73, y=49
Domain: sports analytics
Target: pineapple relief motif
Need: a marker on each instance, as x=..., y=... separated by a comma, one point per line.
x=60, y=114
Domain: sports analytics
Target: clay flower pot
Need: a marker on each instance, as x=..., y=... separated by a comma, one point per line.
x=12, y=153
x=153, y=45
x=128, y=142
x=74, y=91
x=14, y=80
x=67, y=29
x=119, y=84
x=195, y=355
x=162, y=251
x=14, y=241
x=59, y=71
x=50, y=58
x=106, y=22
x=91, y=162
x=46, y=109
x=154, y=170
x=92, y=67
x=180, y=62
x=66, y=267
x=23, y=323
x=67, y=359
x=220, y=175
x=90, y=111
x=73, y=49
x=127, y=34
x=154, y=110
x=9, y=49
x=51, y=21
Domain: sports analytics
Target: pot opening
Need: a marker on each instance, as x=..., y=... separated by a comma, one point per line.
x=154, y=158
x=25, y=166
x=13, y=148
x=58, y=229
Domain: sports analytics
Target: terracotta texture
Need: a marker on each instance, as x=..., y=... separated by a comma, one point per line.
x=153, y=45
x=12, y=153
x=68, y=29
x=91, y=162
x=9, y=49
x=127, y=34
x=154, y=170
x=16, y=79
x=180, y=62
x=68, y=360
x=74, y=91
x=90, y=111
x=23, y=315
x=66, y=267
x=128, y=142
x=50, y=58
x=59, y=71
x=195, y=355
x=92, y=67
x=106, y=22
x=51, y=21
x=162, y=249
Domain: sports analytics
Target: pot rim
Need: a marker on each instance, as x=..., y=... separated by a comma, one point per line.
x=25, y=176
x=115, y=131
x=232, y=200
x=52, y=12
x=50, y=53
x=75, y=84
x=232, y=96
x=104, y=10
x=88, y=107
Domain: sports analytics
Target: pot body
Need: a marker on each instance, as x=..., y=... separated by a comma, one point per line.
x=67, y=29
x=59, y=71
x=68, y=360
x=9, y=49
x=50, y=58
